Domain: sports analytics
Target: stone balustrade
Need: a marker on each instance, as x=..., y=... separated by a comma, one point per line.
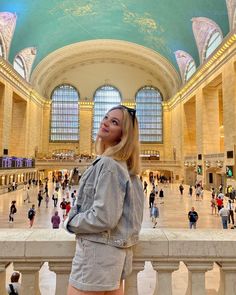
x=164, y=248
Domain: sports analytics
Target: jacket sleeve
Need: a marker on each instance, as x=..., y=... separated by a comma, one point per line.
x=106, y=209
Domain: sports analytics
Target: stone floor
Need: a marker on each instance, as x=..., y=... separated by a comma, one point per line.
x=173, y=214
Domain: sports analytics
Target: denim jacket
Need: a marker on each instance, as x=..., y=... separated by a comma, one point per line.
x=109, y=206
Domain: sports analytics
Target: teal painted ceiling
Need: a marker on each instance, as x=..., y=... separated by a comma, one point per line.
x=162, y=25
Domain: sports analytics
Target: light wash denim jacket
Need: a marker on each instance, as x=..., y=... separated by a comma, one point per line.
x=109, y=206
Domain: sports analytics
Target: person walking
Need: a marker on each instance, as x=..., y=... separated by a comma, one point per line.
x=55, y=220
x=73, y=197
x=181, y=189
x=154, y=213
x=31, y=215
x=224, y=213
x=190, y=192
x=47, y=199
x=108, y=213
x=40, y=197
x=151, y=198
x=27, y=195
x=161, y=196
x=230, y=208
x=213, y=205
x=63, y=207
x=13, y=210
x=145, y=185
x=55, y=197
x=193, y=218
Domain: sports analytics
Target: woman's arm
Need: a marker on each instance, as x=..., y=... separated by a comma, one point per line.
x=106, y=209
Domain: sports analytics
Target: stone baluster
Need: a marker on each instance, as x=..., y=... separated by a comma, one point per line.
x=164, y=276
x=62, y=270
x=227, y=278
x=131, y=283
x=29, y=276
x=196, y=276
x=3, y=277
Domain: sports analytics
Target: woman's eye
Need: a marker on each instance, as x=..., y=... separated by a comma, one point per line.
x=114, y=122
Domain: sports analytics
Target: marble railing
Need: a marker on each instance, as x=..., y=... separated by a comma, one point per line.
x=164, y=248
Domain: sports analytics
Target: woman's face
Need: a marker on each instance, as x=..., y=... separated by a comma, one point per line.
x=110, y=130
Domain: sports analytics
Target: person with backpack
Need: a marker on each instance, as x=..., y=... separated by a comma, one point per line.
x=40, y=197
x=13, y=288
x=13, y=210
x=31, y=215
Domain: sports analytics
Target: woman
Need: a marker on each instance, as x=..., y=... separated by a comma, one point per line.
x=12, y=211
x=108, y=213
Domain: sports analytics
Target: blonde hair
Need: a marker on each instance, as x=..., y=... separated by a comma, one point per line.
x=128, y=147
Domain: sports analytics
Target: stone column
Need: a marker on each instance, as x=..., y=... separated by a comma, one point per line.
x=196, y=276
x=86, y=126
x=6, y=120
x=62, y=270
x=229, y=105
x=30, y=277
x=3, y=277
x=131, y=284
x=227, y=278
x=164, y=276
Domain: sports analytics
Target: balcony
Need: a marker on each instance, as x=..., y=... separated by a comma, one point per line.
x=198, y=250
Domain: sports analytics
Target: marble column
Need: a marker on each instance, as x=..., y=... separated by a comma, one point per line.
x=131, y=283
x=227, y=278
x=62, y=270
x=164, y=276
x=29, y=277
x=196, y=276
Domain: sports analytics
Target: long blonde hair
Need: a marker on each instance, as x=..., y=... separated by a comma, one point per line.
x=128, y=147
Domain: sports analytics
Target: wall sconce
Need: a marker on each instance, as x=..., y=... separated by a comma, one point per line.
x=186, y=164
x=193, y=164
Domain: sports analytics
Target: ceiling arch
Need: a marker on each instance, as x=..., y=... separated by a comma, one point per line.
x=103, y=51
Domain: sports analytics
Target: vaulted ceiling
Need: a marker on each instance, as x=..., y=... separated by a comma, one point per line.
x=161, y=25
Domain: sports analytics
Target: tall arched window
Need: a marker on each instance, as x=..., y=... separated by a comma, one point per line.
x=19, y=66
x=64, y=114
x=213, y=42
x=190, y=70
x=105, y=98
x=149, y=114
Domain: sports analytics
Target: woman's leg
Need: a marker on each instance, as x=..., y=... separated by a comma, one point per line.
x=73, y=291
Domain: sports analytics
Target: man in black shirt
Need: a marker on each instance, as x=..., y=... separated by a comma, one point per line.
x=193, y=217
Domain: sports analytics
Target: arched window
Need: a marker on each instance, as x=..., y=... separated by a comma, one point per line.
x=213, y=42
x=149, y=114
x=64, y=114
x=190, y=70
x=105, y=98
x=19, y=66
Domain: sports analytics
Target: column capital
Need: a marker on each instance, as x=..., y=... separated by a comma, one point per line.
x=60, y=267
x=228, y=266
x=27, y=267
x=199, y=266
x=165, y=266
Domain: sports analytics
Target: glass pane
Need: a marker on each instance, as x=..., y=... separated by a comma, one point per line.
x=191, y=69
x=105, y=98
x=19, y=66
x=65, y=114
x=213, y=43
x=149, y=114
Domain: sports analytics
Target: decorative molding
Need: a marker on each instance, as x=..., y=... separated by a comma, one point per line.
x=231, y=7
x=203, y=28
x=183, y=59
x=28, y=55
x=7, y=28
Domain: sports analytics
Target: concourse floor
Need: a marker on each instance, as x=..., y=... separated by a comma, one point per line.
x=173, y=214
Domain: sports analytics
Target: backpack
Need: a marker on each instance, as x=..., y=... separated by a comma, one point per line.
x=12, y=290
x=31, y=214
